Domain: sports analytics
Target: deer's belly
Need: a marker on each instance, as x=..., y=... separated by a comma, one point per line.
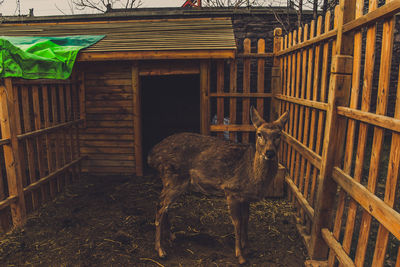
x=206, y=185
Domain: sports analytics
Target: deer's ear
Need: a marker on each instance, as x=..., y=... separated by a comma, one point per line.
x=255, y=117
x=282, y=120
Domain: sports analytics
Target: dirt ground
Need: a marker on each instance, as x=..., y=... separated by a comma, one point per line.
x=109, y=221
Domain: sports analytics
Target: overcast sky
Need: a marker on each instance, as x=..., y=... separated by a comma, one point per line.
x=49, y=7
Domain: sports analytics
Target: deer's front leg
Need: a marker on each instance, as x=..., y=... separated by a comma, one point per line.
x=160, y=221
x=236, y=215
x=245, y=209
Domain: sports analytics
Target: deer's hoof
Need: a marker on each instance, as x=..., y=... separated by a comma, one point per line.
x=161, y=253
x=241, y=259
x=172, y=237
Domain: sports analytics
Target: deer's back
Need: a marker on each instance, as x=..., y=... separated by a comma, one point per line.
x=189, y=151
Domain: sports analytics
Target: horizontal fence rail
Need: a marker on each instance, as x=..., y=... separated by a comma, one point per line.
x=341, y=146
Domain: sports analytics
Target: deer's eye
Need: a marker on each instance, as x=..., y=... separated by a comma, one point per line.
x=259, y=135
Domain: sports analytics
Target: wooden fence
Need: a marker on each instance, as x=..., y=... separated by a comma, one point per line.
x=39, y=144
x=249, y=82
x=230, y=99
x=342, y=143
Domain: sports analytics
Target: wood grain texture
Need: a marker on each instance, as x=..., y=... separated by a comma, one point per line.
x=246, y=88
x=334, y=134
x=109, y=113
x=137, y=121
x=11, y=155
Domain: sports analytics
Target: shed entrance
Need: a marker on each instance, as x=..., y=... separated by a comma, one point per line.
x=170, y=104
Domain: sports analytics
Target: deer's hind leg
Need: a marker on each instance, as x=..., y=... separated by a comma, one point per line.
x=169, y=194
x=168, y=235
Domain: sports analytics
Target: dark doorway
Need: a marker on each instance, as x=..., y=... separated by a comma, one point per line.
x=170, y=104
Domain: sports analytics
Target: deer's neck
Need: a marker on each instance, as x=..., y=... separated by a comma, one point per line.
x=263, y=169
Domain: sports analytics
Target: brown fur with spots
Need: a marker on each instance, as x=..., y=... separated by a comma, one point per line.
x=240, y=172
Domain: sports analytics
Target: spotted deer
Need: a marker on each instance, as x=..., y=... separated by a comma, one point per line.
x=240, y=172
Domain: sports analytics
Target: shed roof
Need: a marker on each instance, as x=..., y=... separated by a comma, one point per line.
x=142, y=39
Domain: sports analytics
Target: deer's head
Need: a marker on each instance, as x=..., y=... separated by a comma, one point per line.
x=268, y=135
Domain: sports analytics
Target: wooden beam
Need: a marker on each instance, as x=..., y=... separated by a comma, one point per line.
x=302, y=230
x=337, y=248
x=106, y=22
x=387, y=10
x=300, y=198
x=42, y=180
x=276, y=79
x=8, y=201
x=246, y=88
x=232, y=101
x=4, y=141
x=375, y=206
x=306, y=152
x=255, y=55
x=303, y=102
x=137, y=118
x=204, y=97
x=48, y=129
x=255, y=95
x=41, y=82
x=321, y=38
x=232, y=128
x=169, y=67
x=335, y=129
x=220, y=90
x=371, y=118
x=145, y=55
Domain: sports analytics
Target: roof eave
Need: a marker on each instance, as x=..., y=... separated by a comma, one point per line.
x=163, y=54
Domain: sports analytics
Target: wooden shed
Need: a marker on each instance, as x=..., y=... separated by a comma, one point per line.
x=163, y=63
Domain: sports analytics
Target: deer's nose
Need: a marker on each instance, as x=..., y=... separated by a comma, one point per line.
x=270, y=154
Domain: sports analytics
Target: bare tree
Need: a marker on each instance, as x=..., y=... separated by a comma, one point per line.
x=70, y=7
x=318, y=7
x=106, y=5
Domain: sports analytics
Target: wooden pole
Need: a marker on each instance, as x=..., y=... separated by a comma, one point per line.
x=204, y=97
x=220, y=100
x=137, y=119
x=246, y=88
x=261, y=76
x=11, y=153
x=335, y=129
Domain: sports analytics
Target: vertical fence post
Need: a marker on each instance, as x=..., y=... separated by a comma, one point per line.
x=276, y=75
x=11, y=152
x=335, y=129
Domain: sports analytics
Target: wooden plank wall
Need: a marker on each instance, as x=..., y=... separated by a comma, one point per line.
x=108, y=136
x=39, y=144
x=341, y=144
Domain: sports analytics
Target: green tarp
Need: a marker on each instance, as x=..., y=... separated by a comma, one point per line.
x=41, y=57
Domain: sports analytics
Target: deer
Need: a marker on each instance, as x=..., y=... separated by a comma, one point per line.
x=240, y=172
